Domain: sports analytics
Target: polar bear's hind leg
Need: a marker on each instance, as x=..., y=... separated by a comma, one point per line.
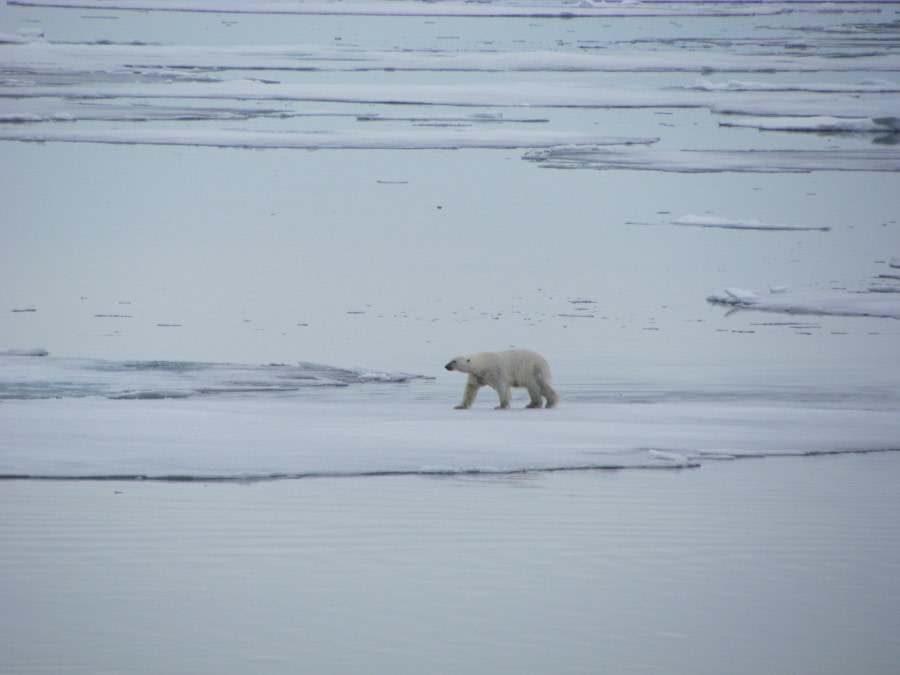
x=535, y=393
x=544, y=389
x=551, y=396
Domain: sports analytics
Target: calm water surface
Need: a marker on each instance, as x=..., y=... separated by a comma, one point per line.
x=778, y=566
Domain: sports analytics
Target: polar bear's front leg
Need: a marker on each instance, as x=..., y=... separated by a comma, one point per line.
x=505, y=394
x=472, y=387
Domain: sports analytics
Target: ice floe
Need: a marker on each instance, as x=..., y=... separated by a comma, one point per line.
x=474, y=118
x=714, y=161
x=870, y=86
x=691, y=220
x=32, y=111
x=48, y=81
x=810, y=104
x=284, y=439
x=821, y=123
x=241, y=99
x=841, y=303
x=20, y=379
x=504, y=94
x=480, y=8
x=174, y=420
x=417, y=139
x=29, y=55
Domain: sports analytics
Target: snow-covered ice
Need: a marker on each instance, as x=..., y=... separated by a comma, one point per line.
x=532, y=94
x=871, y=302
x=77, y=418
x=558, y=102
x=418, y=139
x=30, y=379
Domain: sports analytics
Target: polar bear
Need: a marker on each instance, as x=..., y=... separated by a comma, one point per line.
x=503, y=370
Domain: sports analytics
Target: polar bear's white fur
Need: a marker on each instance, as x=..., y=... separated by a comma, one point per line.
x=503, y=370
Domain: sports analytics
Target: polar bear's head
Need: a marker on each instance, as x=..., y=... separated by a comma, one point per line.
x=460, y=363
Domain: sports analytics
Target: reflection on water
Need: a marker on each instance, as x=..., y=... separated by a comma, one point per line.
x=780, y=566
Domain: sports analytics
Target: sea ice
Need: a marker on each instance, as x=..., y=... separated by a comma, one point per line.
x=480, y=8
x=415, y=139
x=47, y=109
x=24, y=54
x=252, y=438
x=81, y=418
x=866, y=86
x=86, y=84
x=840, y=303
x=820, y=123
x=714, y=161
x=23, y=379
x=740, y=224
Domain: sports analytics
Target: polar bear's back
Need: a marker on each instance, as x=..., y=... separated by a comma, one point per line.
x=524, y=364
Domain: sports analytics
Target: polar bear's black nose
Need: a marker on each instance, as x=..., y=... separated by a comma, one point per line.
x=449, y=366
